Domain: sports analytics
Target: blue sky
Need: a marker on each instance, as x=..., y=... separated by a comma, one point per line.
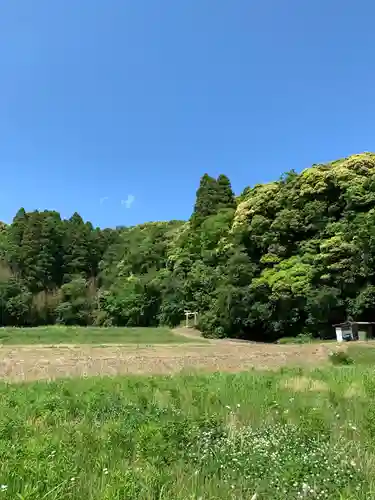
x=115, y=108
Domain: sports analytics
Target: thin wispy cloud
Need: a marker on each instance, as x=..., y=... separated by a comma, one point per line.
x=102, y=200
x=129, y=201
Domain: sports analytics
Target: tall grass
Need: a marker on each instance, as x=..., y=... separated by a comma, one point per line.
x=285, y=435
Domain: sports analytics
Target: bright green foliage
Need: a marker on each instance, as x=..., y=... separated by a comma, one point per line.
x=218, y=437
x=138, y=250
x=285, y=258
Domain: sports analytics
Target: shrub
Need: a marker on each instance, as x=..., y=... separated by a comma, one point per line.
x=340, y=358
x=302, y=338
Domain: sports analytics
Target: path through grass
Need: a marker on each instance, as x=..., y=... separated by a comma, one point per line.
x=291, y=434
x=90, y=335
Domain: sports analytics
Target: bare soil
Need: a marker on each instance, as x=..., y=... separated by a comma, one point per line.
x=19, y=363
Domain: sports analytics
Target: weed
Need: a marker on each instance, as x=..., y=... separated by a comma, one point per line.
x=340, y=358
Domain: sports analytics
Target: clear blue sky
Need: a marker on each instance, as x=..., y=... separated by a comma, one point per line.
x=105, y=100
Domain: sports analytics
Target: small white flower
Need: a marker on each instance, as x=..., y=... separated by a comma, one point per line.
x=105, y=471
x=72, y=479
x=227, y=407
x=3, y=487
x=238, y=405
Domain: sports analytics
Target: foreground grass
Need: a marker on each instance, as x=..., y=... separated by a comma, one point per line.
x=253, y=435
x=362, y=354
x=89, y=335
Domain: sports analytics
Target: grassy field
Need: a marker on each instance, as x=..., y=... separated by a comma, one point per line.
x=89, y=335
x=291, y=434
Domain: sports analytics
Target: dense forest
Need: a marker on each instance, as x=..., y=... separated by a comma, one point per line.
x=286, y=258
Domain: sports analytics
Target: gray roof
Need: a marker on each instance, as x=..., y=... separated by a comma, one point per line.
x=355, y=323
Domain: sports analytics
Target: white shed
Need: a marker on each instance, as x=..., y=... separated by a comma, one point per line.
x=354, y=330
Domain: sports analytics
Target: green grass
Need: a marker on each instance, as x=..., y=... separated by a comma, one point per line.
x=214, y=437
x=362, y=355
x=304, y=339
x=90, y=335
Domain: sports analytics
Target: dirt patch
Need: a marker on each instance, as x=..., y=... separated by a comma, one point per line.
x=303, y=384
x=43, y=362
x=190, y=333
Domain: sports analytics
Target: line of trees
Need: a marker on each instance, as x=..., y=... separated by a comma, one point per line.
x=284, y=258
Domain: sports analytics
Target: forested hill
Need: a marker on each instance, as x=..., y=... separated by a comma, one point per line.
x=283, y=258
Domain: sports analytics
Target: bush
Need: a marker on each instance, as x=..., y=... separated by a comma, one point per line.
x=209, y=325
x=101, y=318
x=302, y=338
x=340, y=358
x=77, y=303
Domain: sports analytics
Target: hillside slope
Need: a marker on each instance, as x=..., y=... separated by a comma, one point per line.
x=284, y=258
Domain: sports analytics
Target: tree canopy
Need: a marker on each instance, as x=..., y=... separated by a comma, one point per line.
x=283, y=258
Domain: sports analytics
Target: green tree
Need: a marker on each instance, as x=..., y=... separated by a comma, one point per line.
x=211, y=196
x=15, y=302
x=76, y=248
x=135, y=302
x=77, y=302
x=225, y=192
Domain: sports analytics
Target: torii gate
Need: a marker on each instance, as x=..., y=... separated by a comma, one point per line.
x=188, y=314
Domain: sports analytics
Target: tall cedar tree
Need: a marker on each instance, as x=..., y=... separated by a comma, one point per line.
x=76, y=246
x=225, y=194
x=15, y=237
x=211, y=196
